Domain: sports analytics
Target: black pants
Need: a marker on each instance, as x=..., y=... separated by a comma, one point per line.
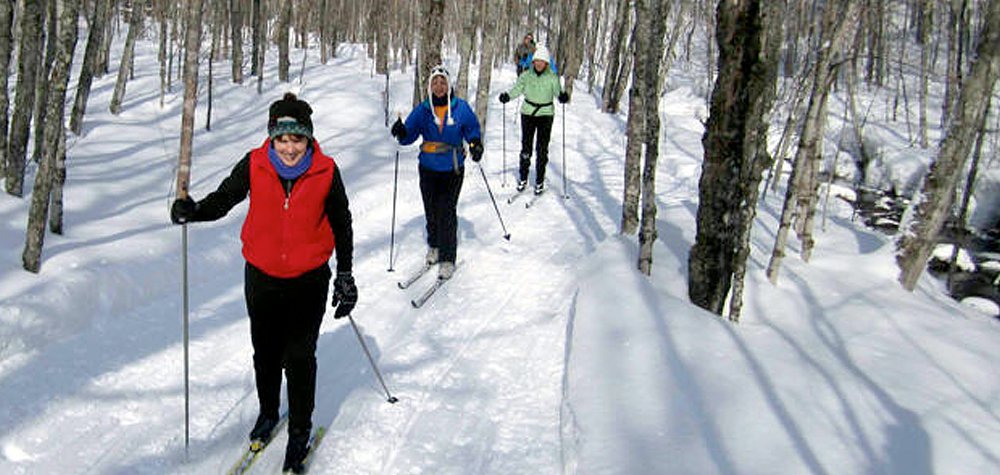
x=440, y=193
x=530, y=124
x=285, y=315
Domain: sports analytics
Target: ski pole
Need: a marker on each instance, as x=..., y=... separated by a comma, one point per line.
x=565, y=191
x=503, y=123
x=392, y=399
x=506, y=235
x=187, y=392
x=392, y=233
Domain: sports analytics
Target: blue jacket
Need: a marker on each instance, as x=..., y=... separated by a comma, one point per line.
x=420, y=123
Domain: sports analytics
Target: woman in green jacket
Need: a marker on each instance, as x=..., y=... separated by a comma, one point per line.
x=540, y=86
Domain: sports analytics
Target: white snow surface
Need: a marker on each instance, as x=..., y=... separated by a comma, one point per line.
x=546, y=354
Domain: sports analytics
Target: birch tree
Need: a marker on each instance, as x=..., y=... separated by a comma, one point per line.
x=125, y=67
x=616, y=70
x=55, y=133
x=284, y=23
x=968, y=117
x=29, y=52
x=192, y=41
x=837, y=28
x=98, y=22
x=491, y=33
x=429, y=54
x=236, y=32
x=735, y=151
x=50, y=18
x=6, y=47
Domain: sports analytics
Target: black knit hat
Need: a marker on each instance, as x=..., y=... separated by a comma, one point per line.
x=290, y=115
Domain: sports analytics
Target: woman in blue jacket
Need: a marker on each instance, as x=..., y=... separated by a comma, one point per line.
x=443, y=121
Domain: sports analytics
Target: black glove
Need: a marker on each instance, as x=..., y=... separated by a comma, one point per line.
x=504, y=98
x=398, y=129
x=183, y=210
x=563, y=97
x=476, y=149
x=345, y=294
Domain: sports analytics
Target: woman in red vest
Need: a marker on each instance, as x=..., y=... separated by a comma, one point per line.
x=298, y=217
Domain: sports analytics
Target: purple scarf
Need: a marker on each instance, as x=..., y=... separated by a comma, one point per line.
x=285, y=171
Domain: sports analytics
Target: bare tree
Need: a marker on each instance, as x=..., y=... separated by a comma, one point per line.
x=284, y=23
x=617, y=71
x=24, y=95
x=125, y=68
x=801, y=198
x=94, y=41
x=6, y=47
x=429, y=54
x=55, y=133
x=236, y=30
x=192, y=41
x=50, y=17
x=735, y=148
x=491, y=33
x=968, y=117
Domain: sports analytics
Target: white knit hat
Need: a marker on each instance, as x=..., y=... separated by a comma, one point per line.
x=440, y=70
x=541, y=54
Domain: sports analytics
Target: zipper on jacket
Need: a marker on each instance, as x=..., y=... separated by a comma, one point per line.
x=288, y=192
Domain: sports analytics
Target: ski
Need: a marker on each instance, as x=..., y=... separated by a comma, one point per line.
x=314, y=441
x=515, y=196
x=419, y=301
x=255, y=449
x=415, y=277
x=533, y=199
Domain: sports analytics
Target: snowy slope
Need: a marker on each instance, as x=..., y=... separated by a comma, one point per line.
x=545, y=354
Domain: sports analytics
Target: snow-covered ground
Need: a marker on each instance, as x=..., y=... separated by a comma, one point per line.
x=545, y=354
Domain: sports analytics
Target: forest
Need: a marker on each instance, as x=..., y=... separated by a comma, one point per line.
x=789, y=87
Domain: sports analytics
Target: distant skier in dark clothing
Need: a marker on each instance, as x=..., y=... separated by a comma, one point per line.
x=443, y=121
x=298, y=216
x=540, y=86
x=523, y=52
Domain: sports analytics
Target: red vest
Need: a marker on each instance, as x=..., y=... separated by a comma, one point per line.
x=288, y=238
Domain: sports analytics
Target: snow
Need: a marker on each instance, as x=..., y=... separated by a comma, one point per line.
x=549, y=353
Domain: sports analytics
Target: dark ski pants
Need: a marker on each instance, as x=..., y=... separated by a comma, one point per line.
x=440, y=194
x=285, y=315
x=529, y=125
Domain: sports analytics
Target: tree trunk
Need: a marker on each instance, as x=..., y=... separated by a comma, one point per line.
x=634, y=132
x=284, y=23
x=735, y=148
x=380, y=16
x=649, y=50
x=94, y=43
x=256, y=26
x=429, y=54
x=161, y=55
x=801, y=195
x=125, y=68
x=924, y=38
x=967, y=120
x=572, y=38
x=28, y=59
x=615, y=73
x=967, y=193
x=54, y=133
x=491, y=33
x=192, y=41
x=44, y=70
x=467, y=47
x=236, y=30
x=261, y=51
x=6, y=48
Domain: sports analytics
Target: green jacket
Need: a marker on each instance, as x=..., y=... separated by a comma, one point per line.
x=538, y=89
